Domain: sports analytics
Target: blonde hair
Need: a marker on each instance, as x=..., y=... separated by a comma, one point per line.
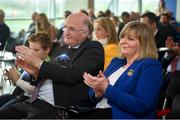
x=46, y=24
x=146, y=38
x=108, y=26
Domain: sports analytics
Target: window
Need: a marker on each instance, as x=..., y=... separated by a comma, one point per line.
x=116, y=6
x=18, y=12
x=150, y=5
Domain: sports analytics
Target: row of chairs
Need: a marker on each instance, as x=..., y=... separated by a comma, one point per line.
x=8, y=55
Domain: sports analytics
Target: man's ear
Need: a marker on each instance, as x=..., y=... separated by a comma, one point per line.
x=48, y=50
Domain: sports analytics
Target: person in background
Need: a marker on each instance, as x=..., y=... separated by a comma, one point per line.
x=105, y=33
x=41, y=43
x=43, y=25
x=130, y=86
x=91, y=14
x=101, y=14
x=4, y=30
x=171, y=59
x=65, y=71
x=115, y=20
x=125, y=16
x=60, y=38
x=172, y=19
x=32, y=26
x=151, y=19
x=161, y=8
x=134, y=16
x=109, y=13
x=166, y=27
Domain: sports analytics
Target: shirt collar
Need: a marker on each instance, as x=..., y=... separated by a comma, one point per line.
x=75, y=47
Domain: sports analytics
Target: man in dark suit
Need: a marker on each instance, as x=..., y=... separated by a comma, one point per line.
x=152, y=20
x=4, y=30
x=65, y=71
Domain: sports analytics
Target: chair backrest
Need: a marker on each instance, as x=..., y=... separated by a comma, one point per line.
x=10, y=43
x=25, y=38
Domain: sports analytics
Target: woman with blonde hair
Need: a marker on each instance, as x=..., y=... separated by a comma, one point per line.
x=43, y=25
x=105, y=33
x=130, y=86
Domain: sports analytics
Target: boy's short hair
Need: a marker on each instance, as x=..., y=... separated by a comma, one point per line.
x=42, y=38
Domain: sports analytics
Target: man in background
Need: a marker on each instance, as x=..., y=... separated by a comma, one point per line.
x=4, y=30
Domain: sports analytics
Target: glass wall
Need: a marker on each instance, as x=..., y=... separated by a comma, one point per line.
x=116, y=6
x=150, y=5
x=71, y=5
x=18, y=12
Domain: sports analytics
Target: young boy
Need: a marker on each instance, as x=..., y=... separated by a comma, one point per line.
x=41, y=43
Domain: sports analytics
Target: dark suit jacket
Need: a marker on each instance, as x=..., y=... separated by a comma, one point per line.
x=67, y=75
x=4, y=34
x=160, y=39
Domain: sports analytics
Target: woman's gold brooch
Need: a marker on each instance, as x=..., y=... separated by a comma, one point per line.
x=130, y=72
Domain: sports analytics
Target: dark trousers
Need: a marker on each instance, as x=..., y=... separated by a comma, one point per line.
x=5, y=98
x=25, y=109
x=12, y=100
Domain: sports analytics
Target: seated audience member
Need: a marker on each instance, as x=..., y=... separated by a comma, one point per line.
x=166, y=27
x=60, y=37
x=32, y=26
x=41, y=43
x=105, y=33
x=115, y=20
x=101, y=14
x=91, y=14
x=125, y=16
x=65, y=71
x=151, y=19
x=171, y=58
x=161, y=7
x=4, y=30
x=43, y=25
x=130, y=86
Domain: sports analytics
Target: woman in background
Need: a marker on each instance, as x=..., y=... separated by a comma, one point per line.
x=43, y=25
x=161, y=8
x=105, y=33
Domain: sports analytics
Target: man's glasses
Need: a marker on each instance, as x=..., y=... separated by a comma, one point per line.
x=71, y=29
